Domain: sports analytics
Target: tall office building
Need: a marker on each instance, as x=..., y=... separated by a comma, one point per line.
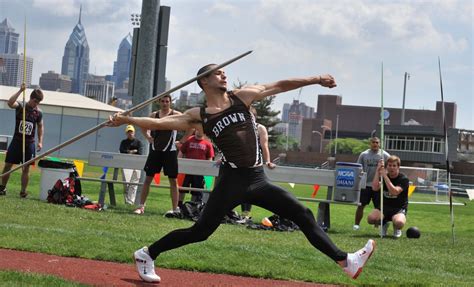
x=122, y=65
x=76, y=57
x=8, y=38
x=293, y=114
x=11, y=70
x=12, y=64
x=298, y=108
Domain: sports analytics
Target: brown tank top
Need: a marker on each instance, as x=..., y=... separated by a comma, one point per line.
x=234, y=133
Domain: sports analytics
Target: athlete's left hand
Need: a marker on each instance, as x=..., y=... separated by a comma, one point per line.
x=117, y=120
x=327, y=81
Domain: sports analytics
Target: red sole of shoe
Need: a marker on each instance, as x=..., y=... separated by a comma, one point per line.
x=360, y=269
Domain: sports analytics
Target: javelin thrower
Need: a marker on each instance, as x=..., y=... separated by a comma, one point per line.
x=228, y=123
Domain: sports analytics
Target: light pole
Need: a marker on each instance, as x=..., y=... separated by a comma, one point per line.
x=135, y=18
x=407, y=77
x=326, y=128
x=321, y=140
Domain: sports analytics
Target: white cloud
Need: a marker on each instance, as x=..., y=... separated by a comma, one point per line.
x=223, y=8
x=57, y=7
x=403, y=25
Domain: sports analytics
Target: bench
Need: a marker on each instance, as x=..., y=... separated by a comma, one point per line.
x=322, y=177
x=118, y=161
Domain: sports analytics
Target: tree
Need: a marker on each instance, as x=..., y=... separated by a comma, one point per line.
x=282, y=144
x=348, y=146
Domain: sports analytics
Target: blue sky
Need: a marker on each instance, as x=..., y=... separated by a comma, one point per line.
x=348, y=39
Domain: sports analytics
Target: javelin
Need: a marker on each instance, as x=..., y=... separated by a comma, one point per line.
x=23, y=125
x=382, y=119
x=446, y=150
x=137, y=107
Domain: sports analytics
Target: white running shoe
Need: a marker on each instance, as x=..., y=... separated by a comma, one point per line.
x=139, y=210
x=357, y=260
x=355, y=227
x=173, y=213
x=145, y=266
x=385, y=228
x=397, y=233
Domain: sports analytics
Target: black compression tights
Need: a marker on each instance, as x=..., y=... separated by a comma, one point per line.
x=248, y=185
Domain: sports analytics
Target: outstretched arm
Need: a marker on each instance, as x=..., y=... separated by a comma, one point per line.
x=190, y=119
x=257, y=92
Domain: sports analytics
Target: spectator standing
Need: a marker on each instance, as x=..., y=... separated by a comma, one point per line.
x=369, y=160
x=130, y=145
x=195, y=147
x=163, y=155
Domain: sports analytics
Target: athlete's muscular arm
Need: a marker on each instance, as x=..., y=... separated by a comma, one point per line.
x=257, y=92
x=190, y=119
x=12, y=100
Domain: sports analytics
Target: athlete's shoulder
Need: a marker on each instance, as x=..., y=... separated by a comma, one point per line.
x=194, y=113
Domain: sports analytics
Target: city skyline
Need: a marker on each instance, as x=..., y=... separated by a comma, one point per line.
x=348, y=40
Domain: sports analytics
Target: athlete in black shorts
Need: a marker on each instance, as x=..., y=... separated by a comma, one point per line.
x=33, y=124
x=163, y=154
x=228, y=123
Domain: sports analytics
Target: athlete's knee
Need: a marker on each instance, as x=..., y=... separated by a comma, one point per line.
x=399, y=221
x=373, y=218
x=304, y=213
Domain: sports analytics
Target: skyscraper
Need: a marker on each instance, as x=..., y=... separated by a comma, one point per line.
x=11, y=64
x=8, y=38
x=293, y=114
x=76, y=57
x=12, y=70
x=122, y=65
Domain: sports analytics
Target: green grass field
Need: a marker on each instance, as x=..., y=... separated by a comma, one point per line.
x=115, y=233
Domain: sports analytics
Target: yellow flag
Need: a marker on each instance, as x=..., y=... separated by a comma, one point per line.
x=411, y=189
x=79, y=166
